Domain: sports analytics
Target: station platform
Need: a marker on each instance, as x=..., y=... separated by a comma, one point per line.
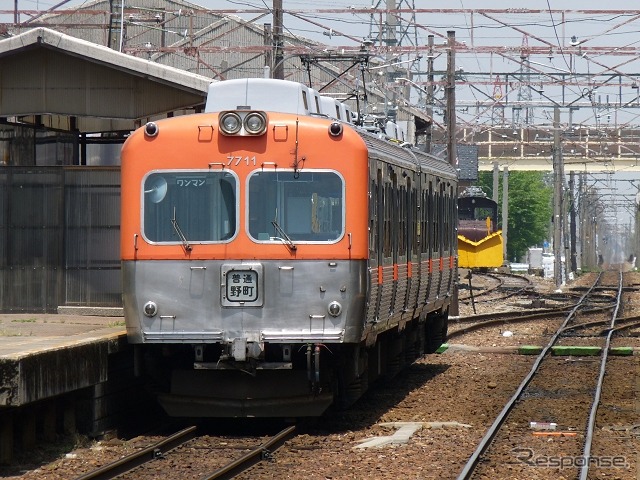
x=44, y=355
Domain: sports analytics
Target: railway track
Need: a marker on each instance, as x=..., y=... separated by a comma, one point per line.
x=491, y=287
x=144, y=463
x=514, y=447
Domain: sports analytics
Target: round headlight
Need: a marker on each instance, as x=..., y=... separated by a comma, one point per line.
x=230, y=123
x=150, y=309
x=334, y=309
x=255, y=123
x=335, y=129
x=151, y=129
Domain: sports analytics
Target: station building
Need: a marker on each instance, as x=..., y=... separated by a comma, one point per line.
x=72, y=88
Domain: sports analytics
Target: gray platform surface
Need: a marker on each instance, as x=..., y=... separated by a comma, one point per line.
x=43, y=355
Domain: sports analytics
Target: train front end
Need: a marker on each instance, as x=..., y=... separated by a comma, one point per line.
x=244, y=244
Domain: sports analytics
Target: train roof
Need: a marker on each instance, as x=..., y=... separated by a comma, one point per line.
x=394, y=153
x=273, y=95
x=262, y=94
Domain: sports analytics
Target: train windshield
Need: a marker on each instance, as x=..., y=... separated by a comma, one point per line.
x=301, y=206
x=189, y=206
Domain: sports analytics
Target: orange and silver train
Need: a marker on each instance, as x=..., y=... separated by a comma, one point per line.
x=480, y=242
x=276, y=257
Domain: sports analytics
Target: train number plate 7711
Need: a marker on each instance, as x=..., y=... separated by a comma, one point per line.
x=241, y=285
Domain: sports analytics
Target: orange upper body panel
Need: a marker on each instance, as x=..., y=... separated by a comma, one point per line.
x=194, y=142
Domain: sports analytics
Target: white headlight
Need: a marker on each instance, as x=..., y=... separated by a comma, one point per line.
x=150, y=309
x=255, y=123
x=230, y=123
x=334, y=309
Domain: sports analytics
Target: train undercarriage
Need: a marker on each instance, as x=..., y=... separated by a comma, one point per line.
x=205, y=381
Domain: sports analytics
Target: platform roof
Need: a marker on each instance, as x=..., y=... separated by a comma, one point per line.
x=45, y=72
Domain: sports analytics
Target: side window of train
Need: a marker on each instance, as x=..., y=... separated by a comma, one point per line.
x=434, y=219
x=387, y=247
x=307, y=206
x=445, y=219
x=374, y=201
x=199, y=205
x=402, y=222
x=452, y=219
x=424, y=215
x=380, y=223
x=418, y=207
x=394, y=225
x=412, y=218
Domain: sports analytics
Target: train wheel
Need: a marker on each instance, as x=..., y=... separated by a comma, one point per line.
x=350, y=391
x=436, y=331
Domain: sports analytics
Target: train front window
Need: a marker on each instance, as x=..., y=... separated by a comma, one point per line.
x=189, y=206
x=307, y=206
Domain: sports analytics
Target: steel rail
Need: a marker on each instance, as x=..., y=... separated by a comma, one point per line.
x=501, y=285
x=586, y=453
x=624, y=323
x=254, y=456
x=474, y=459
x=125, y=464
x=472, y=296
x=621, y=328
x=515, y=318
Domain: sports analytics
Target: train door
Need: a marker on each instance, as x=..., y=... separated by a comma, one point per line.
x=447, y=243
x=389, y=246
x=433, y=249
x=423, y=241
x=401, y=265
x=375, y=234
x=413, y=246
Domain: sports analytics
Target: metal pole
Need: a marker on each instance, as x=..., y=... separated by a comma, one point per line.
x=451, y=99
x=430, y=91
x=121, y=25
x=278, y=56
x=572, y=219
x=268, y=54
x=557, y=199
x=496, y=182
x=505, y=212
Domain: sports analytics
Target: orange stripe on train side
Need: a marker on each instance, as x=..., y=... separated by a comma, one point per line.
x=395, y=271
x=441, y=265
x=451, y=262
x=380, y=276
x=431, y=265
x=410, y=270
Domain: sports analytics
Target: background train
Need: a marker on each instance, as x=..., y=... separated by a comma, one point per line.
x=276, y=259
x=480, y=242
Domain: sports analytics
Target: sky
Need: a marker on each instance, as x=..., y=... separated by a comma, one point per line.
x=602, y=30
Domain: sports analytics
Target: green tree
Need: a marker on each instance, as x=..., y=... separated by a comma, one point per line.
x=530, y=209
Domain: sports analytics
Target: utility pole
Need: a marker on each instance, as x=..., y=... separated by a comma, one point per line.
x=278, y=53
x=268, y=54
x=430, y=91
x=505, y=212
x=557, y=199
x=496, y=182
x=451, y=99
x=450, y=119
x=572, y=220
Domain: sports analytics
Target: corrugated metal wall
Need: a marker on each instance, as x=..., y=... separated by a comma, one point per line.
x=59, y=238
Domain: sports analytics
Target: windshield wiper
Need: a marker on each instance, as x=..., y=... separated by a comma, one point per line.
x=286, y=240
x=176, y=227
